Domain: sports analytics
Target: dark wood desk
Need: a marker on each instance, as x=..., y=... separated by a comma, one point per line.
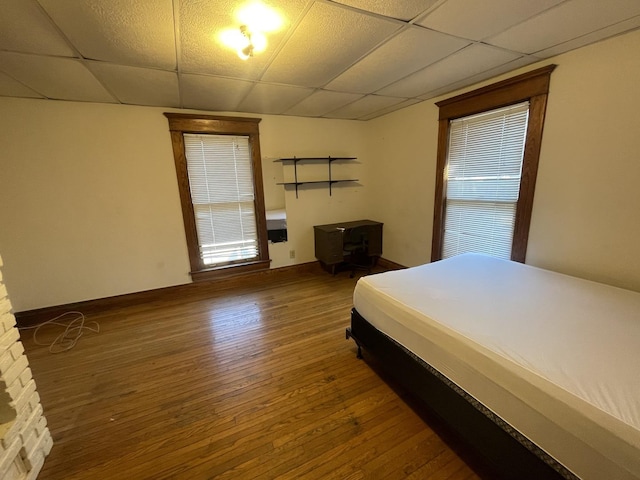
x=329, y=241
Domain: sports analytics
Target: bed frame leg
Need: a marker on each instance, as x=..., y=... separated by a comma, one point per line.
x=349, y=335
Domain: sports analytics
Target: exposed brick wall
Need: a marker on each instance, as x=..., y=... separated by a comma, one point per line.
x=25, y=439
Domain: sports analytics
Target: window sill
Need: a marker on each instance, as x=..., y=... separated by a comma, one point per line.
x=216, y=273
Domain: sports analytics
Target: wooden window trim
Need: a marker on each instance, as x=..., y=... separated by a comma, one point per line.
x=180, y=124
x=532, y=86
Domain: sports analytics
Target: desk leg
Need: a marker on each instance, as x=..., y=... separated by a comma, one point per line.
x=330, y=268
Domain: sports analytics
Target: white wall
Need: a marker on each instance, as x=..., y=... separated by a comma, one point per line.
x=89, y=205
x=586, y=212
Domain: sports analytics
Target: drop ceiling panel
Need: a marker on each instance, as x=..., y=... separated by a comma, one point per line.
x=138, y=86
x=202, y=51
x=467, y=62
x=610, y=31
x=12, y=88
x=212, y=93
x=480, y=77
x=478, y=19
x=405, y=10
x=274, y=99
x=328, y=40
x=139, y=33
x=392, y=108
x=25, y=28
x=322, y=102
x=326, y=57
x=412, y=49
x=57, y=78
x=565, y=22
x=365, y=106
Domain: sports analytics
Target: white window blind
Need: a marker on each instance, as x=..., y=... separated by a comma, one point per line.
x=484, y=168
x=221, y=182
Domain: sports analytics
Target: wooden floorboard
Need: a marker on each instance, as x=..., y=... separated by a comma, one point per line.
x=252, y=380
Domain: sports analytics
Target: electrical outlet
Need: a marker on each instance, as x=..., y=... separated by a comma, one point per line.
x=292, y=254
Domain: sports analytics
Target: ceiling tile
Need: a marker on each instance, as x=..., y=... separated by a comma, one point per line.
x=212, y=93
x=565, y=22
x=365, y=106
x=405, y=10
x=55, y=77
x=469, y=61
x=392, y=108
x=414, y=48
x=202, y=51
x=12, y=88
x=138, y=86
x=480, y=77
x=478, y=19
x=139, y=33
x=322, y=102
x=274, y=99
x=328, y=55
x=603, y=33
x=24, y=28
x=328, y=40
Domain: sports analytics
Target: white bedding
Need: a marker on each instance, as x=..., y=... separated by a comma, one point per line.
x=276, y=219
x=557, y=357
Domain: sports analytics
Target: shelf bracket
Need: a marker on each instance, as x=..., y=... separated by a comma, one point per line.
x=330, y=182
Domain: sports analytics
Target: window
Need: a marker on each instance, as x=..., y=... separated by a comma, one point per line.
x=484, y=165
x=488, y=150
x=220, y=181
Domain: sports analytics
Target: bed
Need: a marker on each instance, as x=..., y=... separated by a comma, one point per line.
x=539, y=372
x=276, y=225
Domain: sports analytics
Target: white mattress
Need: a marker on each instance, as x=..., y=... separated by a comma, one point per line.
x=555, y=356
x=276, y=219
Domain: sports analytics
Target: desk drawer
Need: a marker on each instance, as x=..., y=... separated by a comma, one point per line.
x=329, y=240
x=328, y=246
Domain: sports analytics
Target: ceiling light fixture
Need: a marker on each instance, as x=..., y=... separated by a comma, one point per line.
x=249, y=42
x=255, y=19
x=246, y=49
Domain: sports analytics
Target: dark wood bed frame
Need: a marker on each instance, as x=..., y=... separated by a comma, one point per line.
x=506, y=453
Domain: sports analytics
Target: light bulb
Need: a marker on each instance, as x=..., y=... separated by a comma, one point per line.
x=246, y=52
x=259, y=42
x=233, y=38
x=261, y=18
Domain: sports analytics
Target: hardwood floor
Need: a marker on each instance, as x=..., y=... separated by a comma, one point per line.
x=232, y=381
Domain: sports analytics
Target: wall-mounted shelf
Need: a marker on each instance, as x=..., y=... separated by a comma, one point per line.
x=330, y=181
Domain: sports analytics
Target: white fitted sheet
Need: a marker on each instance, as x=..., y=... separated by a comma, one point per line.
x=276, y=219
x=557, y=357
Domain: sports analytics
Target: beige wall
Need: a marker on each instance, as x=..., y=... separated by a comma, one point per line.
x=586, y=213
x=89, y=205
x=404, y=164
x=285, y=137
